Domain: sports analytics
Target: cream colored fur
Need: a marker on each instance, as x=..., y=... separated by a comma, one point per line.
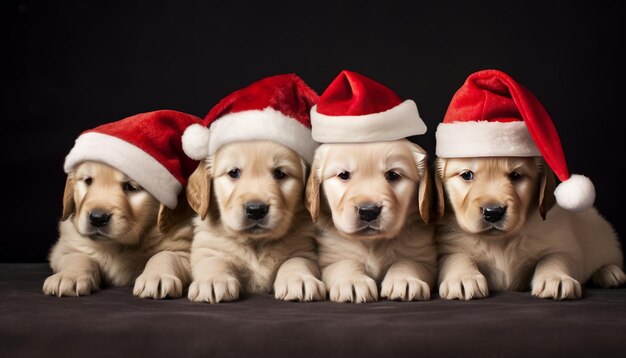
x=229, y=256
x=144, y=243
x=552, y=257
x=396, y=251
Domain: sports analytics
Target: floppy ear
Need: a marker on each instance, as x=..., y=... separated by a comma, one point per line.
x=424, y=193
x=440, y=205
x=312, y=197
x=199, y=189
x=69, y=207
x=168, y=218
x=305, y=171
x=547, y=185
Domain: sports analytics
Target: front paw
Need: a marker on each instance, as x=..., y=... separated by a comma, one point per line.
x=609, y=276
x=556, y=286
x=358, y=289
x=70, y=284
x=405, y=289
x=157, y=286
x=214, y=290
x=464, y=287
x=299, y=288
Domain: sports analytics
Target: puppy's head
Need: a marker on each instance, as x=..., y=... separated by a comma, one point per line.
x=493, y=196
x=370, y=188
x=105, y=204
x=258, y=186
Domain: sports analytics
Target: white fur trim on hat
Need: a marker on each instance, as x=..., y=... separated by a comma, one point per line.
x=196, y=141
x=266, y=124
x=484, y=139
x=129, y=159
x=398, y=122
x=576, y=193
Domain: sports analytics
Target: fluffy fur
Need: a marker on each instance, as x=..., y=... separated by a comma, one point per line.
x=550, y=253
x=396, y=250
x=144, y=243
x=231, y=252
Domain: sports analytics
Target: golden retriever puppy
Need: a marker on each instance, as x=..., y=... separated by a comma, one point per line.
x=368, y=198
x=255, y=236
x=493, y=235
x=113, y=231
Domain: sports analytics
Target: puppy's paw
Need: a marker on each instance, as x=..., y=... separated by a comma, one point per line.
x=157, y=286
x=359, y=289
x=70, y=284
x=556, y=286
x=464, y=287
x=214, y=290
x=299, y=288
x=404, y=289
x=609, y=276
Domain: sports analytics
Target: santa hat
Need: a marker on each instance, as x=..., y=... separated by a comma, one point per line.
x=147, y=147
x=355, y=108
x=275, y=108
x=491, y=115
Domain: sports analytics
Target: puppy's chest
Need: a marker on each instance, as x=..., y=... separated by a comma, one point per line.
x=258, y=266
x=506, y=267
x=378, y=258
x=121, y=267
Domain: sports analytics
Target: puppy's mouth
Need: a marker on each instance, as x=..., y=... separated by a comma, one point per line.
x=99, y=235
x=369, y=228
x=368, y=231
x=256, y=229
x=495, y=229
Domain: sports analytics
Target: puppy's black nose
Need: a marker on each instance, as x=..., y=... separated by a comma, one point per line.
x=369, y=212
x=493, y=213
x=99, y=218
x=256, y=210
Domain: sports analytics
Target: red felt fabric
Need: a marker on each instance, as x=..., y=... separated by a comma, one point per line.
x=286, y=93
x=159, y=134
x=494, y=96
x=352, y=94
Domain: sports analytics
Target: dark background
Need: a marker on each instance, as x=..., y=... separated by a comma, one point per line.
x=72, y=65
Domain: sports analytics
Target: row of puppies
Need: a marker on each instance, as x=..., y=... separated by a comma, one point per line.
x=372, y=205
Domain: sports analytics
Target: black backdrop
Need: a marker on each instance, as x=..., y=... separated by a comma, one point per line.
x=72, y=65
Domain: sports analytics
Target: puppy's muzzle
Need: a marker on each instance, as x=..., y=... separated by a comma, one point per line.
x=99, y=218
x=493, y=213
x=369, y=212
x=256, y=210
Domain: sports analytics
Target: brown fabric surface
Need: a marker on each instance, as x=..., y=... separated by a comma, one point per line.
x=114, y=323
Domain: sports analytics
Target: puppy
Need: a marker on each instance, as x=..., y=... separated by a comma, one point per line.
x=368, y=198
x=257, y=235
x=493, y=235
x=112, y=231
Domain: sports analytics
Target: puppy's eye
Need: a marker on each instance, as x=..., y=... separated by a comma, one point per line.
x=514, y=176
x=235, y=173
x=88, y=180
x=344, y=175
x=467, y=175
x=279, y=174
x=392, y=176
x=130, y=187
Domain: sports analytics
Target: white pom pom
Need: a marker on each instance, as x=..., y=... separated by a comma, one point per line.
x=196, y=141
x=575, y=194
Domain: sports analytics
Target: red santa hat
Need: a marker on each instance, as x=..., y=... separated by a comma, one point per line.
x=275, y=108
x=355, y=108
x=492, y=115
x=147, y=147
